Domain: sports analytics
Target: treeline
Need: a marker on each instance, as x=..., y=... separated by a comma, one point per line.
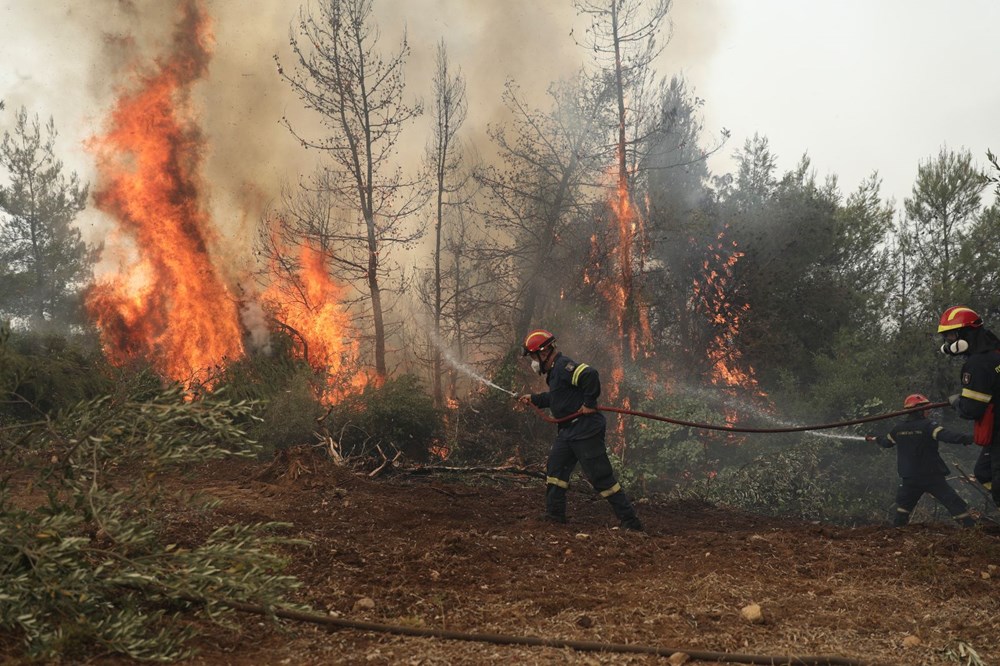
x=599, y=219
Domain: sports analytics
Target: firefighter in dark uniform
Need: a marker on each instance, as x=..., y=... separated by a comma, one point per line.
x=574, y=389
x=964, y=335
x=919, y=464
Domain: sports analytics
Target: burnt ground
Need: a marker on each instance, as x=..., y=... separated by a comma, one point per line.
x=470, y=553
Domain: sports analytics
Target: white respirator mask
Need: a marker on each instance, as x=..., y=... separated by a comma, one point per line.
x=955, y=348
x=536, y=366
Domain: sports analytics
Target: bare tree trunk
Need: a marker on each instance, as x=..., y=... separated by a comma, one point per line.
x=438, y=223
x=376, y=295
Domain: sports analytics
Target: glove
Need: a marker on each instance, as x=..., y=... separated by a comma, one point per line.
x=953, y=400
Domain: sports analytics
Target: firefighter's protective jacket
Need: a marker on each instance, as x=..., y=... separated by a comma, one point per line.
x=980, y=388
x=916, y=441
x=571, y=386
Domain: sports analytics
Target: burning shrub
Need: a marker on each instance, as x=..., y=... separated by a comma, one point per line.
x=88, y=569
x=399, y=415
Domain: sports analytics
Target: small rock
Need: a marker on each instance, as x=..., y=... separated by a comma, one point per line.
x=752, y=614
x=364, y=603
x=985, y=575
x=582, y=536
x=678, y=658
x=911, y=641
x=584, y=621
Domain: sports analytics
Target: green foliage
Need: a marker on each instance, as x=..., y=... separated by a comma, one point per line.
x=43, y=261
x=87, y=566
x=41, y=374
x=946, y=200
x=664, y=457
x=285, y=390
x=809, y=477
x=399, y=415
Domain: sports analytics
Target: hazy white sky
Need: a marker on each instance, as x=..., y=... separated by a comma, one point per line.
x=860, y=85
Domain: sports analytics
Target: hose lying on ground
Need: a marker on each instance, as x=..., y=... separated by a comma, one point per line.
x=502, y=639
x=732, y=428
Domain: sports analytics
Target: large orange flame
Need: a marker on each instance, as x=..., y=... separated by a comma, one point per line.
x=308, y=302
x=170, y=305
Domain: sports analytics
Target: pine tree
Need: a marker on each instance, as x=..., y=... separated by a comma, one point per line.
x=43, y=259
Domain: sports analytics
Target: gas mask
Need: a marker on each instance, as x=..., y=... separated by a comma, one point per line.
x=955, y=348
x=955, y=343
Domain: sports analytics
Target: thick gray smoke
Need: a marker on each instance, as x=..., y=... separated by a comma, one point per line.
x=68, y=59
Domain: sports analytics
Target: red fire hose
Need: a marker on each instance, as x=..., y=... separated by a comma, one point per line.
x=733, y=428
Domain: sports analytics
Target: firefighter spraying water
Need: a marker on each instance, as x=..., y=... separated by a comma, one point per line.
x=575, y=387
x=573, y=392
x=919, y=463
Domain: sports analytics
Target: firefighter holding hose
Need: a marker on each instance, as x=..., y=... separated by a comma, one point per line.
x=963, y=334
x=919, y=464
x=573, y=390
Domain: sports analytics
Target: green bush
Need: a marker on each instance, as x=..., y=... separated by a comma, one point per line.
x=665, y=457
x=41, y=374
x=285, y=390
x=399, y=415
x=807, y=477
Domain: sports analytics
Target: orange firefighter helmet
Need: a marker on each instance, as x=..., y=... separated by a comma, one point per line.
x=538, y=340
x=959, y=316
x=915, y=400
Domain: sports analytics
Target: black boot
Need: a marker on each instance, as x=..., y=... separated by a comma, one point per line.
x=633, y=524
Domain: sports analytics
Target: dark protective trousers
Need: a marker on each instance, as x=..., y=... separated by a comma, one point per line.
x=911, y=490
x=983, y=471
x=593, y=459
x=988, y=468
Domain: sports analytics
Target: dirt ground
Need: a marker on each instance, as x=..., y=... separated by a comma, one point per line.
x=470, y=553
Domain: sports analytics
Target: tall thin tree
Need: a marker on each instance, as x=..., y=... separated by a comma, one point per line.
x=623, y=36
x=358, y=93
x=445, y=156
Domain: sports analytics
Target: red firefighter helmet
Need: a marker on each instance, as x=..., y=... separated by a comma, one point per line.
x=538, y=340
x=959, y=316
x=915, y=399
